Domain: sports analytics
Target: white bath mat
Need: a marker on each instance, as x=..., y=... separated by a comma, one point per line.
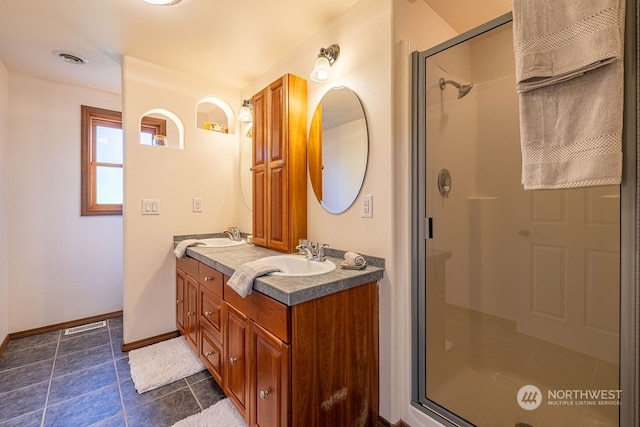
x=222, y=414
x=162, y=363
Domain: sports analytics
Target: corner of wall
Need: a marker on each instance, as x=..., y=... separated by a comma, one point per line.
x=4, y=245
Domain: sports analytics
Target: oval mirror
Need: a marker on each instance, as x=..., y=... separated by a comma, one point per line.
x=338, y=149
x=245, y=168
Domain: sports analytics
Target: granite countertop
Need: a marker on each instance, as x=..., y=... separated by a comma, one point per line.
x=287, y=290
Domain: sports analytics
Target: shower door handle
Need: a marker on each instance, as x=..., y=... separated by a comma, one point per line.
x=523, y=232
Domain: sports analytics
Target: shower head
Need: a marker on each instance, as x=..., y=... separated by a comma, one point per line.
x=463, y=90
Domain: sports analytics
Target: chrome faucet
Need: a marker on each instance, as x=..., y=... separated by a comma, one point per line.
x=312, y=250
x=233, y=233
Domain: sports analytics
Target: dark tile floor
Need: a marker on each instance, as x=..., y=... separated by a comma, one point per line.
x=83, y=379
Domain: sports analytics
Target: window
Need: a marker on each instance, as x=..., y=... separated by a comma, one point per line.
x=102, y=156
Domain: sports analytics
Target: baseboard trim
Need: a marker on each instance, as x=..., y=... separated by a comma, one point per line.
x=148, y=341
x=64, y=325
x=4, y=344
x=384, y=423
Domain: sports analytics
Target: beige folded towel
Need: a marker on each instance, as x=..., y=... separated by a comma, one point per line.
x=181, y=248
x=242, y=279
x=354, y=259
x=571, y=92
x=557, y=40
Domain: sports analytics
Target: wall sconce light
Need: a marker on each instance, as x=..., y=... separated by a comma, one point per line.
x=245, y=111
x=322, y=69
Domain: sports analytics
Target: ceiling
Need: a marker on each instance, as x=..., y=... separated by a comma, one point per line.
x=227, y=41
x=231, y=44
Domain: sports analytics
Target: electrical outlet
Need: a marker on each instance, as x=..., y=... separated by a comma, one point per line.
x=197, y=204
x=150, y=207
x=366, y=208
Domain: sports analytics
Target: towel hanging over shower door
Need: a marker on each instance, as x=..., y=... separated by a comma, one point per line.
x=570, y=80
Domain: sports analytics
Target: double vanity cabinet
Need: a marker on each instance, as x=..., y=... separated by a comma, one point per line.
x=310, y=363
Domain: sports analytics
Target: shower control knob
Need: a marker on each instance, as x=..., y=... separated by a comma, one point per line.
x=523, y=232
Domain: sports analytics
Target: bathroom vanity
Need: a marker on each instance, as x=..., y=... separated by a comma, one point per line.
x=297, y=351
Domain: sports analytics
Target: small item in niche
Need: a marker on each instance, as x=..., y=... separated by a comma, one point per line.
x=160, y=140
x=218, y=127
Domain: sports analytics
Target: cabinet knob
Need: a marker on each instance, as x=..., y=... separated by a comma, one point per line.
x=207, y=354
x=264, y=394
x=207, y=278
x=233, y=360
x=207, y=313
x=179, y=301
x=282, y=163
x=190, y=313
x=523, y=232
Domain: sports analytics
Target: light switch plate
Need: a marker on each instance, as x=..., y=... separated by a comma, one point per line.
x=197, y=204
x=150, y=207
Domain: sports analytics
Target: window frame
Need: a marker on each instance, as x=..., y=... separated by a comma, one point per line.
x=90, y=118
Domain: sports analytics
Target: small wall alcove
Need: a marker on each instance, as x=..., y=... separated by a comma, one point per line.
x=162, y=128
x=215, y=115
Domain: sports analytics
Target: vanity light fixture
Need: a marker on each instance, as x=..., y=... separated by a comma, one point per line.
x=163, y=2
x=245, y=111
x=322, y=69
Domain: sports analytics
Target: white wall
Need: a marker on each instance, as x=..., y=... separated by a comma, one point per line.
x=62, y=266
x=207, y=167
x=4, y=221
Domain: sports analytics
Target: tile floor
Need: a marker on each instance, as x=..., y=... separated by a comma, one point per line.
x=83, y=380
x=487, y=361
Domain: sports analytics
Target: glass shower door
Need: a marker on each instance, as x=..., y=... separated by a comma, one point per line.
x=519, y=290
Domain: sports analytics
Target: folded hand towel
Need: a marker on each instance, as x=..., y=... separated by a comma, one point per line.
x=242, y=279
x=557, y=40
x=354, y=259
x=571, y=91
x=181, y=248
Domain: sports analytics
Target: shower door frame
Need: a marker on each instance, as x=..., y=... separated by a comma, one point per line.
x=629, y=233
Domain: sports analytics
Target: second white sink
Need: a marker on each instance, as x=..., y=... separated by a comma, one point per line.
x=221, y=242
x=298, y=265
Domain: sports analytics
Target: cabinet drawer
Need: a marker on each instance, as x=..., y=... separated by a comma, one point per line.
x=210, y=278
x=267, y=312
x=211, y=353
x=211, y=312
x=188, y=265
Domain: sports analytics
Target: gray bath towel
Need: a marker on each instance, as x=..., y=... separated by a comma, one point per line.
x=181, y=248
x=571, y=91
x=242, y=279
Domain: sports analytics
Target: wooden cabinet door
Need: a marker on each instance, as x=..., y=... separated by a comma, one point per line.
x=270, y=380
x=191, y=306
x=277, y=198
x=181, y=282
x=259, y=176
x=236, y=378
x=210, y=309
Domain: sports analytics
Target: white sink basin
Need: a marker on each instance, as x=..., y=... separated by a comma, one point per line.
x=298, y=265
x=221, y=242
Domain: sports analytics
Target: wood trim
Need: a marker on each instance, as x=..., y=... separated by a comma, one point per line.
x=384, y=423
x=148, y=341
x=4, y=344
x=64, y=325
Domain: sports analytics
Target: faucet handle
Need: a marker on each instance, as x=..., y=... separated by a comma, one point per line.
x=320, y=251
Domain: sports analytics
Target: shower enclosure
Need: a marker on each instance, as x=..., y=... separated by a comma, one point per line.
x=518, y=292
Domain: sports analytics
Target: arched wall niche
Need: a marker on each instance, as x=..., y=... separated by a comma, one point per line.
x=158, y=120
x=214, y=114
